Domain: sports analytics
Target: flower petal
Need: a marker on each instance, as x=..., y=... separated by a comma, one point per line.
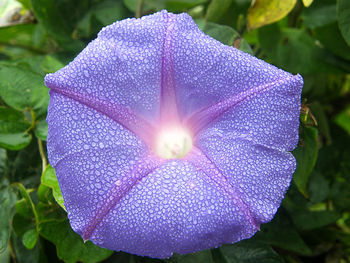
x=122, y=65
x=175, y=209
x=268, y=114
x=206, y=71
x=260, y=174
x=90, y=152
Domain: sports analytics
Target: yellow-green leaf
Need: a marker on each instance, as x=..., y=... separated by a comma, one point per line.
x=307, y=3
x=49, y=179
x=264, y=12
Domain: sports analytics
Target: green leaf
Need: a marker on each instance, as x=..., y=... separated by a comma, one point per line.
x=318, y=188
x=217, y=9
x=21, y=88
x=224, y=34
x=24, y=255
x=249, y=251
x=202, y=256
x=101, y=14
x=343, y=12
x=17, y=35
x=41, y=130
x=48, y=14
x=50, y=212
x=296, y=51
x=51, y=64
x=21, y=224
x=307, y=220
x=343, y=119
x=182, y=5
x=306, y=156
x=13, y=129
x=317, y=109
x=264, y=12
x=24, y=40
x=26, y=4
x=30, y=238
x=7, y=202
x=321, y=13
x=5, y=255
x=340, y=195
x=69, y=245
x=59, y=18
x=280, y=233
x=24, y=209
x=330, y=36
x=157, y=5
x=49, y=179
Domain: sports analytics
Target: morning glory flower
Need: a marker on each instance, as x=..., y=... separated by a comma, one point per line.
x=166, y=141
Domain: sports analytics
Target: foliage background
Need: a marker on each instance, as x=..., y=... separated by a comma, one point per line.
x=307, y=37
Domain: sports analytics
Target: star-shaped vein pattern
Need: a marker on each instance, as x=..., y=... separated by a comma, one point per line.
x=139, y=74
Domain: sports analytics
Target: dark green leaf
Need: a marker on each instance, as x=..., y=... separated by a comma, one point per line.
x=182, y=5
x=330, y=36
x=343, y=119
x=317, y=109
x=305, y=155
x=70, y=246
x=202, y=256
x=318, y=187
x=296, y=51
x=249, y=251
x=319, y=14
x=22, y=224
x=24, y=255
x=280, y=233
x=307, y=220
x=216, y=9
x=7, y=202
x=101, y=14
x=13, y=129
x=224, y=34
x=21, y=88
x=340, y=195
x=46, y=11
x=50, y=212
x=343, y=11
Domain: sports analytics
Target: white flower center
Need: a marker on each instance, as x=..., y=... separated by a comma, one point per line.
x=173, y=143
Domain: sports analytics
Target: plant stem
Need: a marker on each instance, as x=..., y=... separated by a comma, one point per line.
x=42, y=155
x=12, y=251
x=138, y=12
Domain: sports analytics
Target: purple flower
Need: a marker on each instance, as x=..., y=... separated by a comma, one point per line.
x=166, y=141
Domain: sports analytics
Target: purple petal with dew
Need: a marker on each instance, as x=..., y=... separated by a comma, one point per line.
x=139, y=76
x=123, y=65
x=206, y=71
x=176, y=208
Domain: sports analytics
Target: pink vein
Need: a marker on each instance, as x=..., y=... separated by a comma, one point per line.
x=120, y=189
x=168, y=106
x=125, y=117
x=203, y=117
x=200, y=160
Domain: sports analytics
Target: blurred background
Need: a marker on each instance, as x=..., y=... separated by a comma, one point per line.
x=310, y=37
